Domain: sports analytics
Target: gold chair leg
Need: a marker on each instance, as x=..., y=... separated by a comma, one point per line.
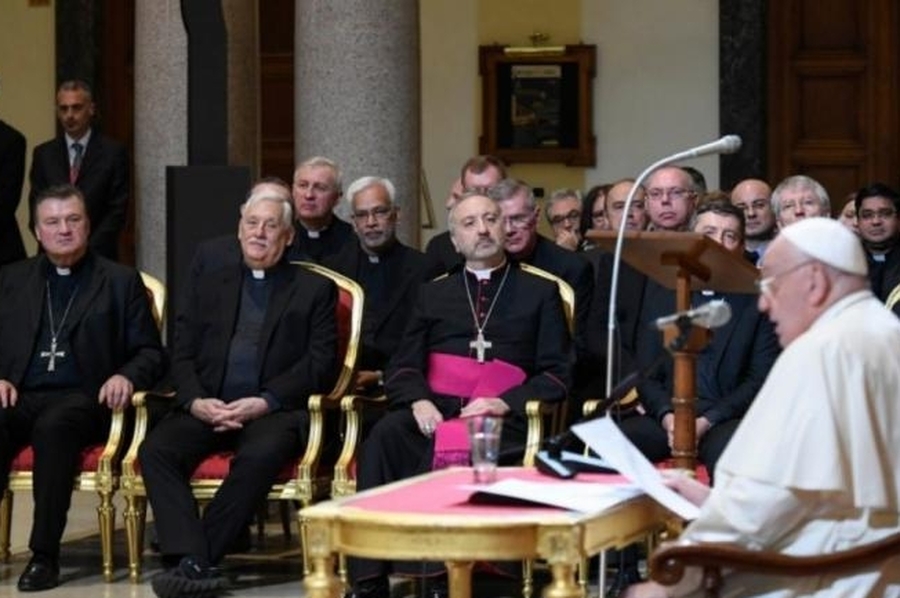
x=6, y=505
x=527, y=578
x=301, y=526
x=106, y=515
x=135, y=521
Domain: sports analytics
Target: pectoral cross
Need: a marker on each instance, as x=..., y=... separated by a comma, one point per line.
x=52, y=354
x=479, y=344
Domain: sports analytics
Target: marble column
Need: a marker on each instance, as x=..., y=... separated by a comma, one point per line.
x=356, y=82
x=160, y=121
x=242, y=25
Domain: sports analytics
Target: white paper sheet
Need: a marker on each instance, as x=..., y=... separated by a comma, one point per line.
x=584, y=497
x=604, y=438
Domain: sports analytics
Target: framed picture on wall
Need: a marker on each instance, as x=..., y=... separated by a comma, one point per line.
x=537, y=103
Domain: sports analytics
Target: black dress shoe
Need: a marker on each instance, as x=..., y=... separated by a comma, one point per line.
x=192, y=578
x=40, y=574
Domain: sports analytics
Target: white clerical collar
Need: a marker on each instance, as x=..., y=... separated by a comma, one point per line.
x=373, y=259
x=258, y=274
x=484, y=273
x=63, y=271
x=879, y=257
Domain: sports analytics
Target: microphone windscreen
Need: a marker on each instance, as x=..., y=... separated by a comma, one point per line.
x=717, y=314
x=732, y=144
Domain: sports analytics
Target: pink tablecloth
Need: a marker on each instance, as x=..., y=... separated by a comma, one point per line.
x=448, y=494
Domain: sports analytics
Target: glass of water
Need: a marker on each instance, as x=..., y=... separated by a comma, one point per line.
x=484, y=440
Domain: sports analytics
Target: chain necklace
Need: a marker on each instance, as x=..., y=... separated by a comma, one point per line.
x=480, y=344
x=53, y=353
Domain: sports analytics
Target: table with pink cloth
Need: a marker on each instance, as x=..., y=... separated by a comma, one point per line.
x=429, y=517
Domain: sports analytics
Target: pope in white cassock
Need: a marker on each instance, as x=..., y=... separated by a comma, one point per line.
x=814, y=467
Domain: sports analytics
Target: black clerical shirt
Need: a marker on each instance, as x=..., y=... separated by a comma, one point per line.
x=63, y=285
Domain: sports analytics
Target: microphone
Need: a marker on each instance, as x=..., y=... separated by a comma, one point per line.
x=710, y=315
x=729, y=144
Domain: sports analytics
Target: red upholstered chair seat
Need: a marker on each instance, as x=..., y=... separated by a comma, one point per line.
x=217, y=466
x=90, y=459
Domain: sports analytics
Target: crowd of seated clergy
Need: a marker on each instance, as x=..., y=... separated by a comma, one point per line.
x=256, y=335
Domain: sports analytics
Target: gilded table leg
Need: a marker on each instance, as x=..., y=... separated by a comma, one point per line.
x=321, y=582
x=459, y=576
x=561, y=547
x=563, y=583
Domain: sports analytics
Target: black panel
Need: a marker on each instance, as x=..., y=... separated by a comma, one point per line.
x=207, y=82
x=742, y=88
x=202, y=202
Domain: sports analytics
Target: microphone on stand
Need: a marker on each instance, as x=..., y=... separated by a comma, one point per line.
x=728, y=144
x=710, y=315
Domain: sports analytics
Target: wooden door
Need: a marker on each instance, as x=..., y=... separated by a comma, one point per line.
x=833, y=92
x=276, y=44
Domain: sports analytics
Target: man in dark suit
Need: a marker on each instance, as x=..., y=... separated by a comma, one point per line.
x=92, y=162
x=79, y=338
x=12, y=175
x=389, y=272
x=254, y=338
x=318, y=233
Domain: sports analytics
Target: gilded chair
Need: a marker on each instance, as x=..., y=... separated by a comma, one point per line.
x=304, y=480
x=99, y=468
x=668, y=562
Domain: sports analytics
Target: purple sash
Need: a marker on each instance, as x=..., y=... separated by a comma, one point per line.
x=464, y=377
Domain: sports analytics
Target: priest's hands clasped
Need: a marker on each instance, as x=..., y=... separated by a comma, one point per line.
x=224, y=416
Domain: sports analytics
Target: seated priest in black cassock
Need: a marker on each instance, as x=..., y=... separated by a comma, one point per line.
x=255, y=336
x=389, y=272
x=78, y=339
x=318, y=233
x=487, y=325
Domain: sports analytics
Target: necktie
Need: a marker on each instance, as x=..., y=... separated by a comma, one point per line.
x=78, y=148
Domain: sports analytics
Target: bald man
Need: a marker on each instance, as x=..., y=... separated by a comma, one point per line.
x=754, y=197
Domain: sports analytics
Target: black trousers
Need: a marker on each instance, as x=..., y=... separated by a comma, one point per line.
x=58, y=424
x=179, y=443
x=651, y=439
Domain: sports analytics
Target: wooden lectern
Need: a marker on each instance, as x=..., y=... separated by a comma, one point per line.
x=682, y=261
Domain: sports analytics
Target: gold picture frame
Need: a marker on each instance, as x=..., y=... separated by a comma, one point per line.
x=537, y=103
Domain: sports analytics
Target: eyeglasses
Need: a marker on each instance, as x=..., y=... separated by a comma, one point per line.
x=518, y=221
x=676, y=193
x=764, y=285
x=573, y=216
x=380, y=214
x=883, y=214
